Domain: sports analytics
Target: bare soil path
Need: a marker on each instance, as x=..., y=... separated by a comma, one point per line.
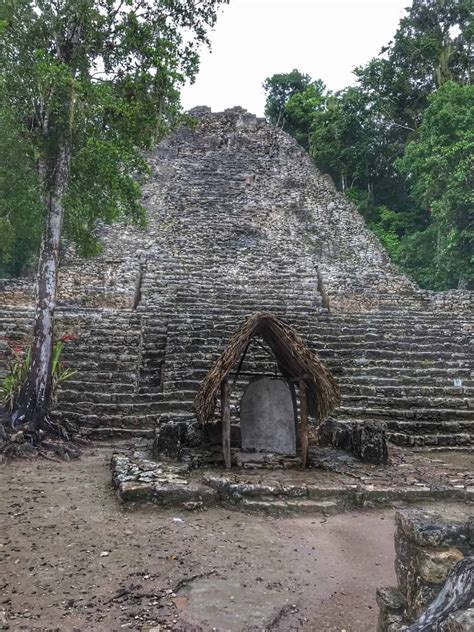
x=72, y=559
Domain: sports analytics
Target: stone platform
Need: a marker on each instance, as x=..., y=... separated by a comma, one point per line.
x=335, y=482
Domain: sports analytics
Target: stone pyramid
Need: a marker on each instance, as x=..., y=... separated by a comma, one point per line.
x=240, y=220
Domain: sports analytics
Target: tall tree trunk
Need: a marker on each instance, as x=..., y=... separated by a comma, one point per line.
x=34, y=398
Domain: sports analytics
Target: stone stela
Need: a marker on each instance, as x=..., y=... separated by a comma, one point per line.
x=268, y=417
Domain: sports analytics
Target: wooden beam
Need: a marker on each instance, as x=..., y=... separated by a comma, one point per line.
x=225, y=417
x=304, y=424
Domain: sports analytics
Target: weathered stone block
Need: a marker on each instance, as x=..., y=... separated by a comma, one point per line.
x=392, y=605
x=367, y=441
x=268, y=417
x=390, y=600
x=173, y=437
x=430, y=529
x=134, y=491
x=434, y=565
x=176, y=493
x=430, y=557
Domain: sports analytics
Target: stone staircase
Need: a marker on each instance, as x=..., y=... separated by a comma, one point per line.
x=412, y=371
x=117, y=384
x=418, y=380
x=240, y=220
x=117, y=390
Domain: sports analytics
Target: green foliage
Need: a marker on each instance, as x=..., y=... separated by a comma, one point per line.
x=390, y=228
x=300, y=110
x=345, y=140
x=20, y=202
x=398, y=143
x=279, y=88
x=102, y=79
x=18, y=369
x=416, y=257
x=103, y=175
x=438, y=164
x=19, y=364
x=432, y=45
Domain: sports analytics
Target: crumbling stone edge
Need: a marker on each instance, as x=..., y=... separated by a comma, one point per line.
x=429, y=549
x=139, y=481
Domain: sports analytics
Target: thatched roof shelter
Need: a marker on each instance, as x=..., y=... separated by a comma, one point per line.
x=295, y=361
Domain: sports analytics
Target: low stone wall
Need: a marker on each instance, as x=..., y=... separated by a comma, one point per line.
x=367, y=441
x=427, y=547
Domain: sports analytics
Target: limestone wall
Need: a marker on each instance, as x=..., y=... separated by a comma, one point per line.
x=427, y=547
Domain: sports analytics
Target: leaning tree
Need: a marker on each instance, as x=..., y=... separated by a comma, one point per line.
x=87, y=85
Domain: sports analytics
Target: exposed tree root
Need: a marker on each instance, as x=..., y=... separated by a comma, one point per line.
x=53, y=441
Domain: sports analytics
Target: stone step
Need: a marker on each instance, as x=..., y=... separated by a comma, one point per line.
x=397, y=370
x=83, y=385
x=277, y=507
x=106, y=344
x=402, y=402
x=144, y=421
x=311, y=320
x=116, y=433
x=420, y=381
x=293, y=307
x=93, y=367
x=311, y=327
x=372, y=359
x=431, y=427
x=103, y=378
x=113, y=398
x=455, y=439
x=363, y=389
x=100, y=355
x=212, y=344
x=382, y=414
x=135, y=406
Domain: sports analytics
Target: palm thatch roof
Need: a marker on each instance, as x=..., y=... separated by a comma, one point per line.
x=295, y=361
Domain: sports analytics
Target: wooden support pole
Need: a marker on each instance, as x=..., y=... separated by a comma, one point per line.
x=304, y=424
x=225, y=417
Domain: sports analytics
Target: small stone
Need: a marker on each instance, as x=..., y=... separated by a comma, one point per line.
x=104, y=554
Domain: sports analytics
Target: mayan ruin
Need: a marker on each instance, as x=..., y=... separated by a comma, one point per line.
x=236, y=367
x=240, y=221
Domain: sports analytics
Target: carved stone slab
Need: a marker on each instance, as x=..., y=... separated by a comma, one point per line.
x=267, y=417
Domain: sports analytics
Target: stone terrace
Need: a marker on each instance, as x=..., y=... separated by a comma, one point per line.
x=240, y=220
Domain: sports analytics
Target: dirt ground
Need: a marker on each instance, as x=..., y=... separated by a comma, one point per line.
x=73, y=559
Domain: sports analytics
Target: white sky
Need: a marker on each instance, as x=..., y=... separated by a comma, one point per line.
x=254, y=39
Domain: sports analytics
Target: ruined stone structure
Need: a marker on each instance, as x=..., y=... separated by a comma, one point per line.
x=428, y=548
x=240, y=220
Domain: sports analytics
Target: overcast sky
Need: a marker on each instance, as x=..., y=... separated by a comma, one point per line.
x=255, y=39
